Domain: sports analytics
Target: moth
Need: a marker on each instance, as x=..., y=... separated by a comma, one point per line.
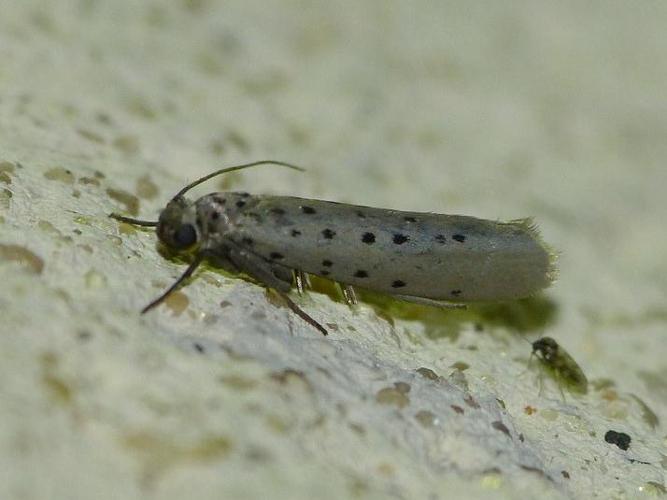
x=428, y=258
x=558, y=362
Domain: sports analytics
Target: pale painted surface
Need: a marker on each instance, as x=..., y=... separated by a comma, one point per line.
x=492, y=109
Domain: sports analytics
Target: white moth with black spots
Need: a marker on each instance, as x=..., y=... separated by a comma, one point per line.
x=442, y=260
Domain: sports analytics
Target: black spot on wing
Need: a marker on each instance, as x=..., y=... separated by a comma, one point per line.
x=276, y=256
x=307, y=210
x=440, y=238
x=296, y=233
x=459, y=237
x=397, y=284
x=240, y=203
x=361, y=274
x=456, y=293
x=368, y=238
x=399, y=239
x=328, y=234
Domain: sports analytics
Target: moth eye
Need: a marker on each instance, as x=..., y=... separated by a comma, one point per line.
x=185, y=236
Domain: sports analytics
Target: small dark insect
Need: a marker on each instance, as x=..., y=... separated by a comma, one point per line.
x=560, y=365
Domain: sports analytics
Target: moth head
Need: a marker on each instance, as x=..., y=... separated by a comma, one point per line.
x=177, y=226
x=546, y=347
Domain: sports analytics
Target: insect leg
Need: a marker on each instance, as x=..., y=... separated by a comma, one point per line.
x=430, y=302
x=302, y=281
x=276, y=277
x=559, y=383
x=540, y=381
x=188, y=272
x=303, y=314
x=349, y=294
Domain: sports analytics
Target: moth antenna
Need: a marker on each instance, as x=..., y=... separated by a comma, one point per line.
x=136, y=222
x=234, y=168
x=188, y=272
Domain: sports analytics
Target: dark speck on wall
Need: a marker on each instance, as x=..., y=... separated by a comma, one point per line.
x=620, y=439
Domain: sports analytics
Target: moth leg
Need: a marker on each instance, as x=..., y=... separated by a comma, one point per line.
x=302, y=281
x=430, y=302
x=348, y=293
x=222, y=261
x=257, y=268
x=303, y=314
x=277, y=277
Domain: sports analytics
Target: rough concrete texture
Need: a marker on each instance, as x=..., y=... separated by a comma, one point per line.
x=493, y=109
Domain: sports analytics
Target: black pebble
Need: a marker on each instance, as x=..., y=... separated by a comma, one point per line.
x=620, y=439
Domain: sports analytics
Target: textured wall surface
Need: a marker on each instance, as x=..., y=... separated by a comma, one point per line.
x=493, y=109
